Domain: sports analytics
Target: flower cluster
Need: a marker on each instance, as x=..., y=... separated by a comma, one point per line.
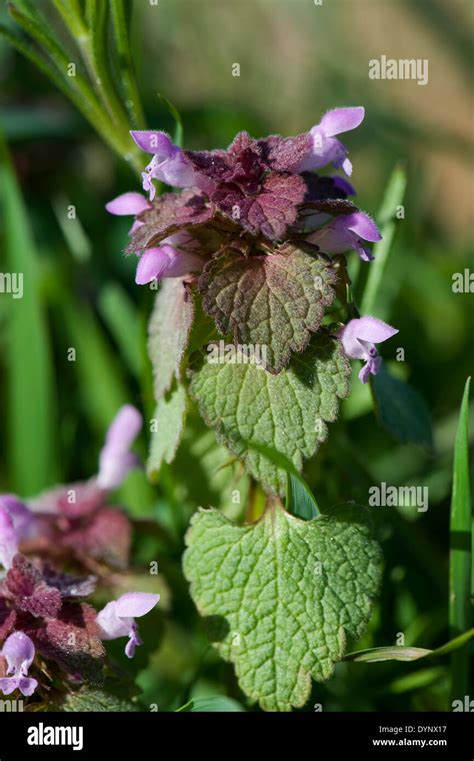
x=43, y=613
x=250, y=199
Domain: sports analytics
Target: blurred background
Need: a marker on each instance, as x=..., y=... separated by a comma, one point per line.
x=297, y=59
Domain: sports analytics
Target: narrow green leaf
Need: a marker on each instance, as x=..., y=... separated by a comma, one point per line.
x=94, y=47
x=455, y=643
x=125, y=65
x=78, y=90
x=30, y=386
x=376, y=654
x=300, y=500
x=460, y=611
x=387, y=221
x=70, y=13
x=395, y=653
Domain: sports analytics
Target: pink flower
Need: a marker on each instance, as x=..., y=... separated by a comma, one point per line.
x=169, y=163
x=15, y=523
x=168, y=260
x=358, y=339
x=19, y=652
x=174, y=256
x=326, y=148
x=117, y=619
x=346, y=232
x=127, y=204
x=115, y=459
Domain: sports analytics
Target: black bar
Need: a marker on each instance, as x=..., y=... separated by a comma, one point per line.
x=133, y=736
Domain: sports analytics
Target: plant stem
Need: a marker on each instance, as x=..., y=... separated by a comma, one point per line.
x=111, y=120
x=93, y=46
x=125, y=65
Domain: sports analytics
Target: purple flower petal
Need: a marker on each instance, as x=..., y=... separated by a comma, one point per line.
x=350, y=342
x=341, y=120
x=358, y=339
x=117, y=619
x=135, y=604
x=127, y=203
x=147, y=184
x=364, y=373
x=136, y=225
x=345, y=232
x=27, y=686
x=132, y=643
x=326, y=149
x=8, y=538
x=152, y=265
x=124, y=428
x=361, y=224
x=115, y=460
x=344, y=185
x=166, y=261
x=19, y=651
x=175, y=170
x=154, y=141
x=9, y=684
x=110, y=625
x=182, y=263
x=372, y=329
x=22, y=517
x=364, y=252
x=169, y=163
x=371, y=367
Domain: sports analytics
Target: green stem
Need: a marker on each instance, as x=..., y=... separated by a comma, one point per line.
x=111, y=121
x=93, y=46
x=125, y=65
x=58, y=58
x=70, y=12
x=78, y=91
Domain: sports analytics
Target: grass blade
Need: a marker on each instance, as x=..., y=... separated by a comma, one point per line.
x=398, y=653
x=127, y=71
x=460, y=552
x=387, y=222
x=30, y=388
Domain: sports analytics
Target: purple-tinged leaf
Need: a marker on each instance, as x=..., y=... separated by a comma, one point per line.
x=271, y=302
x=26, y=588
x=169, y=213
